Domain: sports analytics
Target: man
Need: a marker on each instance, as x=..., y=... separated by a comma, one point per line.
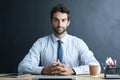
x=45, y=55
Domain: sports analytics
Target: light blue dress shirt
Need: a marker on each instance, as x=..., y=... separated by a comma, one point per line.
x=43, y=53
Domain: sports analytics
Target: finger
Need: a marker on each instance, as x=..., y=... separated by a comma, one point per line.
x=55, y=63
x=62, y=73
x=56, y=68
x=58, y=64
x=58, y=60
x=57, y=72
x=62, y=69
x=53, y=68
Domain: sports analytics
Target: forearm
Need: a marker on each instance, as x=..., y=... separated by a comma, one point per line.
x=27, y=68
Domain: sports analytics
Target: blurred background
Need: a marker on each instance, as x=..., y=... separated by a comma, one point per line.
x=22, y=22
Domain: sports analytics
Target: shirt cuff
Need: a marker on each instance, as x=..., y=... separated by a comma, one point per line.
x=38, y=70
x=81, y=70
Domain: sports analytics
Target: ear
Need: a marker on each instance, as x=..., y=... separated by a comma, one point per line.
x=68, y=23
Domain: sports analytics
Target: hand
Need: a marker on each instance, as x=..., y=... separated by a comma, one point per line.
x=58, y=68
x=46, y=71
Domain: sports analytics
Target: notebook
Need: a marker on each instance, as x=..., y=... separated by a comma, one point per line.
x=112, y=76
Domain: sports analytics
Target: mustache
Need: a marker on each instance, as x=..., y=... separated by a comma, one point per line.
x=57, y=32
x=59, y=26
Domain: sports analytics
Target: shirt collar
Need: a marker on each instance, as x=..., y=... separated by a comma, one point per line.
x=55, y=39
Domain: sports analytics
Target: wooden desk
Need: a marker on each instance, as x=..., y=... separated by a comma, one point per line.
x=80, y=77
x=88, y=77
x=24, y=77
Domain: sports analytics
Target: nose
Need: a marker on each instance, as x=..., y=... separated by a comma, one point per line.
x=60, y=23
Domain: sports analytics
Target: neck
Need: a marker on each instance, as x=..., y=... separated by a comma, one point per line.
x=60, y=36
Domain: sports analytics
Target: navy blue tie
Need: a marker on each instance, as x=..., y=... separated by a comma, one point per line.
x=60, y=50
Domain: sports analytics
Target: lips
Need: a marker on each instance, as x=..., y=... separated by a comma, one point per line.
x=60, y=28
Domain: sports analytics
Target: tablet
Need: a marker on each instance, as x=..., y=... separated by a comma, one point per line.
x=48, y=77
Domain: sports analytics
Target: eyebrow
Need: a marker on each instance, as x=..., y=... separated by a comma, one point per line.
x=58, y=19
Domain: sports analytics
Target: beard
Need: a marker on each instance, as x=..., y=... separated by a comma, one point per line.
x=59, y=32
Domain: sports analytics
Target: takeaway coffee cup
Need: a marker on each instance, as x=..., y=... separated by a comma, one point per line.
x=93, y=68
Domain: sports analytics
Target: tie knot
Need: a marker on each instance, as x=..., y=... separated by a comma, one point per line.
x=59, y=41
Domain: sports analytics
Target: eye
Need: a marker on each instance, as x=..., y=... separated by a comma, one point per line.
x=63, y=20
x=55, y=20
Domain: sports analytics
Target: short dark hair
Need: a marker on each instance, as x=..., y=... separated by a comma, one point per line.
x=60, y=8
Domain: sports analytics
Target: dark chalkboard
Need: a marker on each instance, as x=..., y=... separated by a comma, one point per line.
x=22, y=22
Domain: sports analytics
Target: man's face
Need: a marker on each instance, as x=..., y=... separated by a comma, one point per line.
x=59, y=22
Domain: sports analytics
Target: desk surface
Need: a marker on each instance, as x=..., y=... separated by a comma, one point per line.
x=80, y=77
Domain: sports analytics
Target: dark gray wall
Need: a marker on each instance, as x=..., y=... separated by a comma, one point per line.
x=22, y=22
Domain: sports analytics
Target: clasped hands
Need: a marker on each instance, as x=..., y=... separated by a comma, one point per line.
x=57, y=68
